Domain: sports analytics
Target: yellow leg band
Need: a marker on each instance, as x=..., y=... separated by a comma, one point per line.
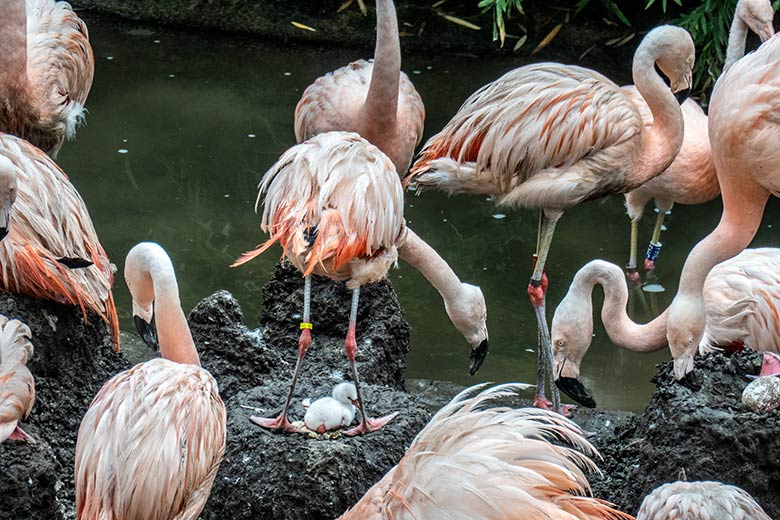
x=305, y=325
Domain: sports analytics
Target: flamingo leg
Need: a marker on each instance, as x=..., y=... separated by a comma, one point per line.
x=631, y=271
x=282, y=423
x=350, y=344
x=654, y=249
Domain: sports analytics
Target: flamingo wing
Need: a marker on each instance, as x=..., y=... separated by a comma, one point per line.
x=150, y=444
x=683, y=500
x=17, y=386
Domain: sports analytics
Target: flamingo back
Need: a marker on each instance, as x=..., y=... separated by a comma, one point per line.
x=329, y=201
x=17, y=386
x=50, y=227
x=535, y=121
x=150, y=444
x=700, y=500
x=471, y=461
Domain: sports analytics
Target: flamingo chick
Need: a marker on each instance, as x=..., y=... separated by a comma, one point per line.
x=48, y=246
x=46, y=69
x=17, y=386
x=373, y=98
x=153, y=438
x=332, y=413
x=471, y=461
x=335, y=204
x=691, y=178
x=552, y=136
x=741, y=297
x=700, y=501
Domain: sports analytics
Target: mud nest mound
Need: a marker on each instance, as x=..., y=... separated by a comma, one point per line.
x=708, y=433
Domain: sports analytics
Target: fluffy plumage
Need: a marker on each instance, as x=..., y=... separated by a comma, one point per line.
x=700, y=501
x=17, y=386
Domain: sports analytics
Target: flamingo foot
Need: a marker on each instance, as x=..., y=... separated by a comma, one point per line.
x=281, y=424
x=370, y=425
x=19, y=435
x=770, y=366
x=649, y=265
x=546, y=404
x=536, y=294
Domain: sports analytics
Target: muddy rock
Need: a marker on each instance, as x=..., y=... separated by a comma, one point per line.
x=706, y=432
x=72, y=361
x=269, y=475
x=30, y=474
x=762, y=395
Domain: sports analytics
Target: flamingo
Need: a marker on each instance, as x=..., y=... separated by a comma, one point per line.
x=48, y=246
x=691, y=178
x=374, y=99
x=335, y=204
x=46, y=69
x=17, y=386
x=741, y=298
x=476, y=462
x=744, y=129
x=332, y=413
x=699, y=501
x=152, y=440
x=551, y=136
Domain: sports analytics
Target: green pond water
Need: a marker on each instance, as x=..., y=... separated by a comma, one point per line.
x=182, y=126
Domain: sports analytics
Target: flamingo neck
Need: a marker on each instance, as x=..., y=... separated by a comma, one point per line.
x=736, y=46
x=13, y=49
x=173, y=332
x=380, y=109
x=662, y=141
x=425, y=259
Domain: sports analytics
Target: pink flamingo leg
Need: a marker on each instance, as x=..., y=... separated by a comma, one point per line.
x=19, y=435
x=282, y=423
x=366, y=424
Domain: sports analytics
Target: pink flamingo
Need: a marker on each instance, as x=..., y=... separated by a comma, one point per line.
x=699, y=500
x=471, y=461
x=744, y=130
x=335, y=205
x=551, y=136
x=741, y=302
x=152, y=440
x=48, y=246
x=691, y=178
x=46, y=69
x=17, y=386
x=374, y=99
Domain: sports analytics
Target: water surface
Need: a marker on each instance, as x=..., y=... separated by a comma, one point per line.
x=182, y=126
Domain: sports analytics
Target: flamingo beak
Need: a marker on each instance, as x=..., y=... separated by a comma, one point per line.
x=5, y=218
x=766, y=32
x=147, y=331
x=682, y=95
x=576, y=390
x=478, y=355
x=355, y=403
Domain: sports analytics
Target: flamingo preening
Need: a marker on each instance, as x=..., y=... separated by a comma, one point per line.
x=744, y=129
x=46, y=69
x=741, y=298
x=700, y=501
x=17, y=386
x=50, y=249
x=551, y=136
x=152, y=440
x=471, y=461
x=335, y=205
x=691, y=178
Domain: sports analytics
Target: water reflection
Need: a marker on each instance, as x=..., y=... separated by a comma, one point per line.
x=181, y=127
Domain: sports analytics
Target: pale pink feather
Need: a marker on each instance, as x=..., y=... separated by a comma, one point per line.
x=700, y=501
x=17, y=386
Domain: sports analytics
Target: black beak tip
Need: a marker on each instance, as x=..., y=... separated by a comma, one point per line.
x=3, y=232
x=682, y=95
x=478, y=355
x=147, y=332
x=691, y=381
x=576, y=390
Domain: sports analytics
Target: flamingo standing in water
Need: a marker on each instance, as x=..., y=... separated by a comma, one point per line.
x=379, y=102
x=691, y=178
x=17, y=386
x=741, y=298
x=476, y=462
x=46, y=69
x=335, y=205
x=164, y=414
x=700, y=501
x=744, y=130
x=48, y=246
x=551, y=136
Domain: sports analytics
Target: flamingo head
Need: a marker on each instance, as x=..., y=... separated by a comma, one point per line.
x=468, y=313
x=139, y=281
x=675, y=55
x=8, y=191
x=572, y=332
x=758, y=15
x=684, y=331
x=346, y=393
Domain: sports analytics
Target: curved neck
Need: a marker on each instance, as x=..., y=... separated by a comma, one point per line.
x=662, y=141
x=173, y=332
x=13, y=48
x=736, y=45
x=381, y=106
x=425, y=259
